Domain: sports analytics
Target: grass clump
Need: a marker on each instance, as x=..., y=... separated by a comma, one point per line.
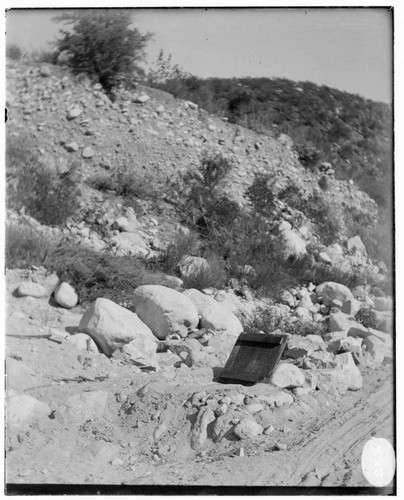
x=36, y=187
x=268, y=321
x=366, y=316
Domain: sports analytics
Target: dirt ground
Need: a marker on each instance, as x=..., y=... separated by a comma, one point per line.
x=113, y=424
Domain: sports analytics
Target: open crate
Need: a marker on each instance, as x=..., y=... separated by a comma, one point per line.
x=254, y=358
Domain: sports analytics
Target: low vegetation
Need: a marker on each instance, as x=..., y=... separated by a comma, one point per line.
x=366, y=316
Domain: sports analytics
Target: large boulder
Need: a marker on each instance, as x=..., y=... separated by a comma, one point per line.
x=220, y=319
x=165, y=311
x=331, y=292
x=112, y=326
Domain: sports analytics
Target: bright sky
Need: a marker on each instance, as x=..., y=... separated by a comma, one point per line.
x=349, y=48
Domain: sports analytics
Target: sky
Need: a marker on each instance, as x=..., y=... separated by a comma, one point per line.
x=345, y=48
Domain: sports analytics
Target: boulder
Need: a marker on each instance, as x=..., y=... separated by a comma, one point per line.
x=228, y=299
x=248, y=428
x=330, y=291
x=375, y=348
x=127, y=224
x=142, y=351
x=219, y=319
x=355, y=244
x=287, y=298
x=346, y=363
x=83, y=342
x=112, y=326
x=165, y=311
x=302, y=313
x=73, y=113
x=293, y=245
x=342, y=322
x=199, y=431
x=129, y=243
x=200, y=300
x=31, y=289
x=66, y=296
x=351, y=307
x=287, y=376
x=191, y=266
x=23, y=410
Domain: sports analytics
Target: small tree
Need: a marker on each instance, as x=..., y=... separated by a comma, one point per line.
x=103, y=44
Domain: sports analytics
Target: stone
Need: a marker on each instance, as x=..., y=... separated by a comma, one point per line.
x=51, y=282
x=83, y=406
x=222, y=427
x=129, y=244
x=219, y=319
x=112, y=326
x=31, y=289
x=383, y=303
x=376, y=349
x=199, y=431
x=83, y=342
x=287, y=298
x=190, y=266
x=247, y=429
x=45, y=71
x=302, y=313
x=351, y=307
x=87, y=152
x=23, y=410
x=127, y=224
x=72, y=147
x=164, y=311
x=323, y=256
x=294, y=247
x=254, y=407
x=287, y=376
x=140, y=99
x=66, y=296
x=142, y=351
x=342, y=322
x=200, y=300
x=19, y=376
x=73, y=113
x=355, y=244
x=330, y=291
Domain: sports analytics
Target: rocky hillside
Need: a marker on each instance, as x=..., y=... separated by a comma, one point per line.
x=143, y=237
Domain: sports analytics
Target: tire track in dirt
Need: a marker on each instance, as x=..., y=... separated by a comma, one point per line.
x=341, y=439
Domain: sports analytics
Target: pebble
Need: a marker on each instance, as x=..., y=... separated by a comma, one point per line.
x=87, y=153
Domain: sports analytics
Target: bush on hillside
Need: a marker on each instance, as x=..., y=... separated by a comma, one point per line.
x=36, y=187
x=103, y=44
x=13, y=52
x=261, y=195
x=366, y=316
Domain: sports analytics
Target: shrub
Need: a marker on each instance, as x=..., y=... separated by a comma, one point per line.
x=264, y=320
x=366, y=316
x=25, y=247
x=46, y=196
x=102, y=44
x=261, y=196
x=14, y=52
x=203, y=277
x=183, y=244
x=309, y=155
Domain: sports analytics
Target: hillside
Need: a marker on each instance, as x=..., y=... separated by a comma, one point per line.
x=143, y=236
x=352, y=133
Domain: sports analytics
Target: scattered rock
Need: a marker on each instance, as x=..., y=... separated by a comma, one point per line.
x=287, y=376
x=31, y=289
x=248, y=428
x=199, y=431
x=66, y=296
